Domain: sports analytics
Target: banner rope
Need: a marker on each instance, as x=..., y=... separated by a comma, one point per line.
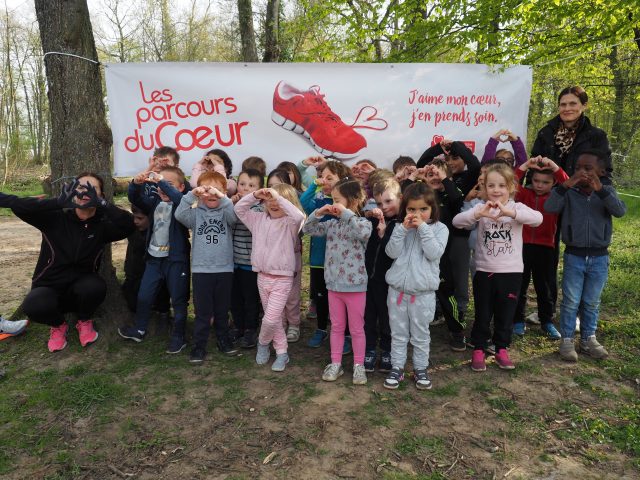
x=71, y=55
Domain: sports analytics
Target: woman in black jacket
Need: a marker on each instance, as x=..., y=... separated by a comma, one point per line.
x=570, y=133
x=75, y=229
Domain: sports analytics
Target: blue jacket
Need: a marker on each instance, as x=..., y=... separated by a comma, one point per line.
x=178, y=233
x=311, y=199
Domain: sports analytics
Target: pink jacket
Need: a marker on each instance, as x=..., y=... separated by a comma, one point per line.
x=499, y=242
x=275, y=240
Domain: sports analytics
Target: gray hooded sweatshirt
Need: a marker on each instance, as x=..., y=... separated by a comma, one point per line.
x=416, y=253
x=212, y=231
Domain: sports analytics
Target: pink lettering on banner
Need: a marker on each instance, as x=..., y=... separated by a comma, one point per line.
x=158, y=106
x=441, y=110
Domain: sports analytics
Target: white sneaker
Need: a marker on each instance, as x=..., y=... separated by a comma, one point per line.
x=359, y=375
x=9, y=327
x=293, y=334
x=533, y=318
x=332, y=372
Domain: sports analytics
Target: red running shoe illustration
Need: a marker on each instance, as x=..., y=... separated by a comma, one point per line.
x=306, y=113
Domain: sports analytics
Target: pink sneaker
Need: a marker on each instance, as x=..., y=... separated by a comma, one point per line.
x=57, y=338
x=87, y=332
x=503, y=360
x=477, y=361
x=306, y=113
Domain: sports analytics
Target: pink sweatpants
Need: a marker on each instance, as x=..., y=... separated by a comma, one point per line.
x=274, y=291
x=291, y=317
x=343, y=305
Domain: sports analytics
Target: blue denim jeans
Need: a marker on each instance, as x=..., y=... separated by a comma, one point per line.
x=583, y=280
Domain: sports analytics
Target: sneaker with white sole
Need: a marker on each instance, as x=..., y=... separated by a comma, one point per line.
x=306, y=113
x=293, y=334
x=422, y=380
x=592, y=347
x=332, y=372
x=567, y=350
x=12, y=328
x=359, y=375
x=281, y=362
x=87, y=333
x=263, y=354
x=392, y=382
x=57, y=338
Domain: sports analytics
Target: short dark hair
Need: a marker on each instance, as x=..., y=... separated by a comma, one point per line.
x=601, y=157
x=167, y=152
x=575, y=90
x=402, y=161
x=253, y=173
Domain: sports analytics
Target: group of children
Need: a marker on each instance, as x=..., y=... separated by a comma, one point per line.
x=388, y=250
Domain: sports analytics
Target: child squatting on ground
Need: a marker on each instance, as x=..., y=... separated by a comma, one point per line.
x=586, y=206
x=496, y=283
x=275, y=236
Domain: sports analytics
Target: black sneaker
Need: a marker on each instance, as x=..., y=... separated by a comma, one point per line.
x=385, y=362
x=248, y=340
x=234, y=335
x=225, y=346
x=396, y=375
x=457, y=342
x=176, y=345
x=197, y=355
x=131, y=333
x=370, y=361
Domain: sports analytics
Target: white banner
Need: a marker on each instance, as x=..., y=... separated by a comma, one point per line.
x=292, y=111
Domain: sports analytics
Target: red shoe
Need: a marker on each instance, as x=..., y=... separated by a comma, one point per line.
x=57, y=338
x=306, y=113
x=87, y=332
x=503, y=360
x=477, y=361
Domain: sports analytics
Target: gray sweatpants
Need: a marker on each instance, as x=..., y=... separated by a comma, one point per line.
x=409, y=319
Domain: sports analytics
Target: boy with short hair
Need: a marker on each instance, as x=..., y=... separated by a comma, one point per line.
x=162, y=157
x=387, y=195
x=538, y=249
x=245, y=298
x=167, y=253
x=586, y=206
x=211, y=222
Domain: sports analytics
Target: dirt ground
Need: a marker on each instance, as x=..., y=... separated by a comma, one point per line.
x=224, y=419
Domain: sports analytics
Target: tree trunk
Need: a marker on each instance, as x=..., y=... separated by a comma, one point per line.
x=247, y=33
x=80, y=138
x=272, y=32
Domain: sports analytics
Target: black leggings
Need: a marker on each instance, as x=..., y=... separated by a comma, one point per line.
x=49, y=304
x=494, y=295
x=321, y=297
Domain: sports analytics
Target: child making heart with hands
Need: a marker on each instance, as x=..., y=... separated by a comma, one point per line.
x=499, y=266
x=275, y=236
x=345, y=273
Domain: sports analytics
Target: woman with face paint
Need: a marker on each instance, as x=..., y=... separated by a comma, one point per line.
x=75, y=229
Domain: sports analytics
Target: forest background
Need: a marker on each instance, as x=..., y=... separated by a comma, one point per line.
x=117, y=411
x=592, y=43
